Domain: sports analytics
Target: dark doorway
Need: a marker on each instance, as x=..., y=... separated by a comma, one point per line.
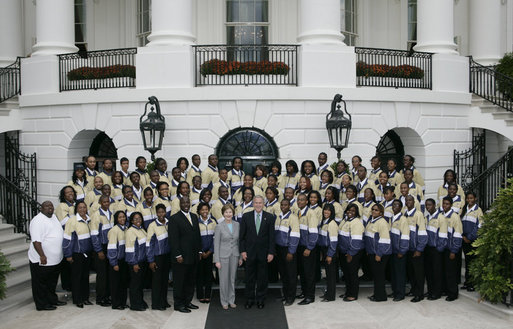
x=390, y=147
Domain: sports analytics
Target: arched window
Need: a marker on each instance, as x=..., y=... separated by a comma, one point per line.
x=390, y=147
x=103, y=148
x=253, y=145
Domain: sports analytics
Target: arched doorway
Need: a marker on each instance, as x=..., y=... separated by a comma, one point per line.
x=253, y=145
x=390, y=146
x=103, y=148
x=91, y=142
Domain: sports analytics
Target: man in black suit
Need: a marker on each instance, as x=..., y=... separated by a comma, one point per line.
x=256, y=244
x=185, y=244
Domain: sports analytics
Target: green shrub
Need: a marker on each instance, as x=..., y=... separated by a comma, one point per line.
x=505, y=67
x=5, y=267
x=490, y=270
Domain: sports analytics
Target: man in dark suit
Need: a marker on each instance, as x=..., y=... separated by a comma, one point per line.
x=185, y=244
x=256, y=244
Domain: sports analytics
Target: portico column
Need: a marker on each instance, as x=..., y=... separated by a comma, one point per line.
x=435, y=26
x=485, y=31
x=324, y=59
x=55, y=27
x=11, y=39
x=171, y=23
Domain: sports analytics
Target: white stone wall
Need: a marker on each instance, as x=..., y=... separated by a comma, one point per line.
x=496, y=146
x=62, y=134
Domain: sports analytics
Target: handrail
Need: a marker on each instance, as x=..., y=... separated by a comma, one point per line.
x=470, y=163
x=488, y=184
x=17, y=207
x=491, y=85
x=10, y=80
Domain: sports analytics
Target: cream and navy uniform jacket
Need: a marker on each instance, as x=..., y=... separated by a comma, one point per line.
x=417, y=177
x=377, y=237
x=346, y=203
x=379, y=194
x=291, y=180
x=173, y=188
x=260, y=183
x=361, y=186
x=207, y=229
x=80, y=189
x=164, y=177
x=135, y=248
x=399, y=234
x=314, y=180
x=144, y=178
x=138, y=193
x=402, y=198
x=367, y=211
x=128, y=206
x=388, y=210
x=273, y=207
x=117, y=192
x=308, y=230
x=339, y=212
x=195, y=195
x=374, y=176
x=92, y=197
x=107, y=177
x=192, y=172
x=286, y=231
x=442, y=192
x=209, y=177
x=126, y=178
x=101, y=223
x=95, y=206
x=325, y=167
x=322, y=189
x=354, y=176
x=90, y=175
x=64, y=211
x=436, y=230
x=418, y=232
x=237, y=197
x=328, y=236
x=471, y=222
x=116, y=246
x=350, y=236
x=241, y=209
x=77, y=237
x=215, y=189
x=157, y=240
x=454, y=231
x=166, y=202
x=395, y=178
x=217, y=207
x=235, y=179
x=148, y=212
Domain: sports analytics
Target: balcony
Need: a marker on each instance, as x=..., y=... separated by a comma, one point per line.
x=393, y=68
x=245, y=65
x=100, y=69
x=10, y=82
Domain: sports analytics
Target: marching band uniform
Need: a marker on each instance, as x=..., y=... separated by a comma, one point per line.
x=273, y=207
x=157, y=251
x=166, y=201
x=377, y=243
x=291, y=180
x=90, y=175
x=437, y=241
x=80, y=189
x=454, y=239
x=101, y=223
x=144, y=178
x=192, y=172
x=64, y=211
x=235, y=179
x=106, y=177
x=418, y=241
x=217, y=206
x=471, y=222
x=350, y=242
x=92, y=197
x=374, y=176
x=328, y=241
x=209, y=177
x=148, y=212
x=126, y=177
x=286, y=232
x=119, y=278
x=215, y=189
x=204, y=273
x=260, y=182
x=128, y=206
x=241, y=209
x=361, y=186
x=443, y=191
x=400, y=241
x=135, y=254
x=164, y=177
x=395, y=178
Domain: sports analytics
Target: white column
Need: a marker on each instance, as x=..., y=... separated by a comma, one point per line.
x=435, y=26
x=485, y=31
x=320, y=22
x=171, y=23
x=11, y=39
x=55, y=27
x=324, y=59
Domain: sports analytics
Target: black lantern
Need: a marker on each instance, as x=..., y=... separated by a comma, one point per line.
x=338, y=125
x=152, y=127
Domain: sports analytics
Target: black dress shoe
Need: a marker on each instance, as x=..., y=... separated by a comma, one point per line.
x=450, y=299
x=370, y=297
x=398, y=299
x=416, y=299
x=158, y=308
x=306, y=301
x=342, y=296
x=137, y=309
x=324, y=300
x=248, y=305
x=80, y=305
x=47, y=308
x=289, y=302
x=191, y=306
x=60, y=303
x=390, y=295
x=433, y=297
x=183, y=309
x=410, y=294
x=301, y=296
x=118, y=308
x=470, y=288
x=260, y=305
x=374, y=299
x=87, y=302
x=105, y=303
x=464, y=286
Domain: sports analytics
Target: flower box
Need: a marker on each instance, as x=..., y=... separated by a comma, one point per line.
x=243, y=79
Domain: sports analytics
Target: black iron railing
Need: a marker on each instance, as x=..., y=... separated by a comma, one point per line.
x=471, y=163
x=10, y=80
x=245, y=65
x=20, y=168
x=17, y=207
x=114, y=68
x=488, y=184
x=393, y=68
x=491, y=85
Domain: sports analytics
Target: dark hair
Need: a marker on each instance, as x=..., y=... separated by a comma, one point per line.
x=180, y=159
x=293, y=164
x=159, y=184
x=319, y=198
x=308, y=183
x=412, y=159
x=375, y=157
x=276, y=164
x=201, y=205
x=449, y=171
x=262, y=168
x=203, y=192
x=452, y=184
x=116, y=216
x=74, y=177
x=324, y=153
x=134, y=173
x=123, y=159
x=330, y=207
x=464, y=210
x=78, y=203
x=430, y=200
x=373, y=194
x=148, y=188
x=364, y=168
x=103, y=197
x=248, y=175
x=273, y=176
x=389, y=188
x=160, y=206
x=447, y=198
x=330, y=175
x=114, y=174
x=139, y=158
x=126, y=187
x=393, y=160
x=335, y=193
x=353, y=205
x=272, y=189
x=244, y=188
x=180, y=186
x=158, y=161
x=314, y=168
x=398, y=201
x=89, y=156
x=380, y=207
x=407, y=169
x=62, y=192
x=357, y=156
x=132, y=216
x=241, y=161
x=352, y=188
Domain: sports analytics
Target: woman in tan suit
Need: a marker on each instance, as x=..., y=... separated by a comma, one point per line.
x=226, y=255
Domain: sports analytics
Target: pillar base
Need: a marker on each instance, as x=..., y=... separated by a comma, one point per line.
x=169, y=38
x=52, y=48
x=450, y=73
x=40, y=75
x=327, y=65
x=438, y=47
x=321, y=37
x=6, y=61
x=165, y=67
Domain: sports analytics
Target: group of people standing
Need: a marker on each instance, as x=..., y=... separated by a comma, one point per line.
x=134, y=228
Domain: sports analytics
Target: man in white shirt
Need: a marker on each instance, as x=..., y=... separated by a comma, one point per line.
x=45, y=255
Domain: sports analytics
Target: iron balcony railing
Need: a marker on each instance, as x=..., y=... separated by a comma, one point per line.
x=488, y=184
x=377, y=67
x=114, y=68
x=10, y=80
x=491, y=85
x=469, y=164
x=245, y=65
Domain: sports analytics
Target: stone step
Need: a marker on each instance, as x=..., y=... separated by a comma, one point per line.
x=490, y=109
x=15, y=301
x=12, y=240
x=15, y=252
x=20, y=262
x=6, y=229
x=18, y=280
x=502, y=115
